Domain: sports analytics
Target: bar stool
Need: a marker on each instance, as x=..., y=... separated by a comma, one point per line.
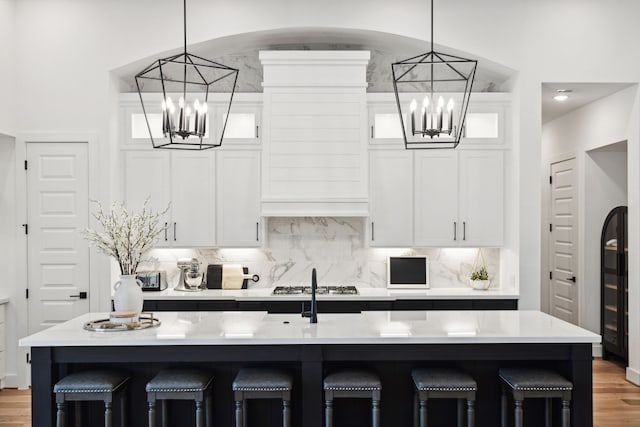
x=180, y=384
x=262, y=383
x=535, y=383
x=91, y=385
x=355, y=383
x=443, y=383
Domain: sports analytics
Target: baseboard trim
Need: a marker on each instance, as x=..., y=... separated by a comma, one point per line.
x=633, y=375
x=596, y=350
x=10, y=381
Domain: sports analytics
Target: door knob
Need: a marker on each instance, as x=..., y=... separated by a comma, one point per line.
x=573, y=279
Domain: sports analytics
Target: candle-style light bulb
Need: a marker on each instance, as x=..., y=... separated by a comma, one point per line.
x=440, y=112
x=450, y=106
x=165, y=118
x=196, y=109
x=187, y=118
x=172, y=112
x=413, y=107
x=203, y=118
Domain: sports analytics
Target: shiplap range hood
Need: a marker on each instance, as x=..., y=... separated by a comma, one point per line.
x=315, y=133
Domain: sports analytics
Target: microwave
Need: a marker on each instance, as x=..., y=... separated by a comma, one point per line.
x=153, y=280
x=408, y=272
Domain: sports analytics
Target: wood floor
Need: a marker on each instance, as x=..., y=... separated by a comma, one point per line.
x=616, y=402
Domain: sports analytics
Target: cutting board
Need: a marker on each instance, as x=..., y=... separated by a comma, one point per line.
x=232, y=276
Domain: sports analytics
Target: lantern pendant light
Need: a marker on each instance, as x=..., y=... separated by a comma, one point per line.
x=188, y=79
x=440, y=86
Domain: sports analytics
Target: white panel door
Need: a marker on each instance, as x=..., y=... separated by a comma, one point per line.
x=57, y=211
x=481, y=199
x=146, y=174
x=391, y=198
x=238, y=201
x=192, y=198
x=564, y=241
x=436, y=198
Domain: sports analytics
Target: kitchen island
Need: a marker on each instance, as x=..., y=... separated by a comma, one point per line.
x=390, y=342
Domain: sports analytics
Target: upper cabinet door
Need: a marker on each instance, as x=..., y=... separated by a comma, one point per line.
x=193, y=198
x=482, y=197
x=436, y=198
x=238, y=202
x=146, y=174
x=391, y=198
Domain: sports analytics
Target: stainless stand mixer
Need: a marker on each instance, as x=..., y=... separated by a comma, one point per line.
x=191, y=278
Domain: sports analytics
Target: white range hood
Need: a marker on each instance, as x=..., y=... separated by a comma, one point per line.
x=314, y=159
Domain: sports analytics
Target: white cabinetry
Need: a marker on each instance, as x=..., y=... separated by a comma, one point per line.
x=459, y=198
x=238, y=201
x=183, y=178
x=390, y=198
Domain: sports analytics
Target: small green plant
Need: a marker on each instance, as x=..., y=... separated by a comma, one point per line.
x=480, y=274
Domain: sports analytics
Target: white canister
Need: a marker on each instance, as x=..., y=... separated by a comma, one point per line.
x=127, y=295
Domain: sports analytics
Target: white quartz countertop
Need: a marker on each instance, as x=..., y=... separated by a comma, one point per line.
x=365, y=293
x=375, y=327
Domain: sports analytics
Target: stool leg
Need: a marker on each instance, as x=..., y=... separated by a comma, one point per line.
x=123, y=410
x=375, y=413
x=164, y=408
x=77, y=414
x=199, y=414
x=460, y=412
x=60, y=415
x=328, y=413
x=286, y=413
x=503, y=409
x=108, y=412
x=423, y=413
x=245, y=418
x=209, y=409
x=471, y=413
x=547, y=412
x=152, y=414
x=239, y=418
x=566, y=413
x=518, y=412
x=415, y=409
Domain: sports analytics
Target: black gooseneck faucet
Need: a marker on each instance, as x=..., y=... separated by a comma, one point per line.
x=313, y=318
x=312, y=314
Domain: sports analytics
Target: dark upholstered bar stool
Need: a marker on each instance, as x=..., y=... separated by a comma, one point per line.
x=91, y=385
x=443, y=383
x=535, y=383
x=262, y=383
x=352, y=384
x=181, y=384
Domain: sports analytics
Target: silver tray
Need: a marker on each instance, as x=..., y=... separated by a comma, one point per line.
x=105, y=325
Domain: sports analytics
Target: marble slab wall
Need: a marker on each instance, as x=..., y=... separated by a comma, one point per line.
x=337, y=248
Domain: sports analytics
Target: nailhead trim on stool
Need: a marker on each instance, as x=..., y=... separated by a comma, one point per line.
x=181, y=384
x=91, y=385
x=535, y=383
x=355, y=383
x=443, y=383
x=262, y=383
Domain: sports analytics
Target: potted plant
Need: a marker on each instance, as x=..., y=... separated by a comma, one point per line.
x=479, y=278
x=127, y=236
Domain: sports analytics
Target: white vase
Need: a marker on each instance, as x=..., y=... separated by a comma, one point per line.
x=480, y=284
x=127, y=295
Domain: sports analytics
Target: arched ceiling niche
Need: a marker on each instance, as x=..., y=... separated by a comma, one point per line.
x=241, y=51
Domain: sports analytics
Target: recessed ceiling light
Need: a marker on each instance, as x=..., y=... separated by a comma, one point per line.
x=562, y=95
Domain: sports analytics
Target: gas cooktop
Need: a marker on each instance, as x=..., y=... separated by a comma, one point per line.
x=301, y=290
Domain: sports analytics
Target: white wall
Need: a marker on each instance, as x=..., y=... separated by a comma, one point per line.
x=79, y=42
x=8, y=231
x=7, y=67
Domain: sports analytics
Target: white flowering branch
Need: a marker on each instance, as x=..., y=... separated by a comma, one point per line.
x=127, y=236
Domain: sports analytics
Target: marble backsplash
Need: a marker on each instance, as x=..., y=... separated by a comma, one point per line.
x=336, y=247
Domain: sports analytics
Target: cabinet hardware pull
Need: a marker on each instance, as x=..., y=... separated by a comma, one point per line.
x=257, y=133
x=166, y=225
x=464, y=230
x=257, y=231
x=455, y=230
x=572, y=278
x=174, y=232
x=372, y=232
x=81, y=295
x=372, y=133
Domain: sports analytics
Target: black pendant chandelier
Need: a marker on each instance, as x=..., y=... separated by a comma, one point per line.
x=421, y=85
x=188, y=79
